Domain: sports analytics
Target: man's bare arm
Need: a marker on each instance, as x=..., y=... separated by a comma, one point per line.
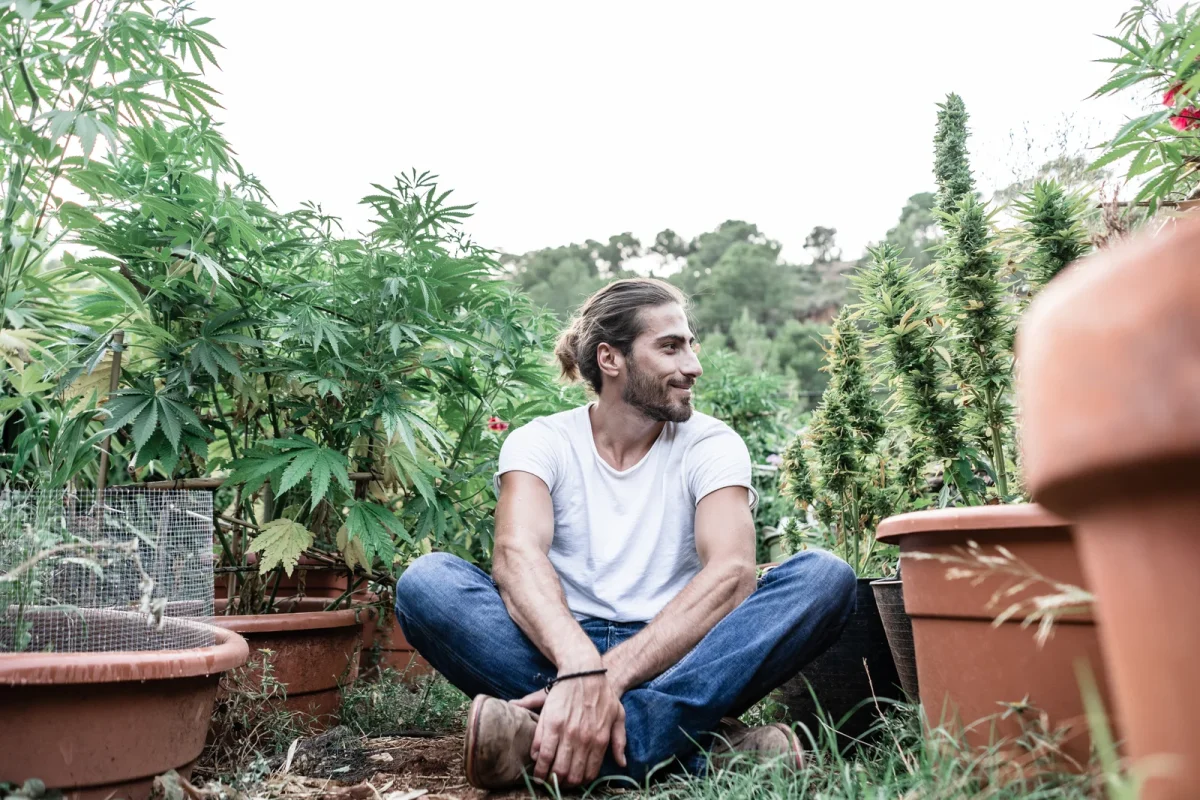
x=528, y=583
x=725, y=542
x=581, y=716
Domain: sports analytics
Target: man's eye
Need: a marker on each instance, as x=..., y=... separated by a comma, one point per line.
x=670, y=348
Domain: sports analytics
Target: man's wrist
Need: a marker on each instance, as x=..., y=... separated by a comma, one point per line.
x=578, y=659
x=618, y=678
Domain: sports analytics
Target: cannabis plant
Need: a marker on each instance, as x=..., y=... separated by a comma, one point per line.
x=980, y=325
x=916, y=365
x=850, y=490
x=1052, y=232
x=950, y=165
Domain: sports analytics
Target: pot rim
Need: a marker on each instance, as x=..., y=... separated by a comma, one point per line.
x=287, y=621
x=950, y=521
x=114, y=666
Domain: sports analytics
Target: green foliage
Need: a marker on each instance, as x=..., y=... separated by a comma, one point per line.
x=1052, y=231
x=849, y=486
x=821, y=243
x=280, y=541
x=1163, y=146
x=951, y=170
x=796, y=477
x=896, y=304
x=980, y=325
x=916, y=233
x=561, y=278
x=388, y=705
x=260, y=345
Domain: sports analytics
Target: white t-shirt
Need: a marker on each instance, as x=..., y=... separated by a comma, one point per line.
x=624, y=542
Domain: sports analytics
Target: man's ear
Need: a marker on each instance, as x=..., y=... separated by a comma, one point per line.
x=610, y=360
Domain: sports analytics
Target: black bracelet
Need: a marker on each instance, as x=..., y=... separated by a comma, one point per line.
x=550, y=683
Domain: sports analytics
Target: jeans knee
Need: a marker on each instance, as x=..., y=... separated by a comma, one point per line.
x=832, y=577
x=421, y=581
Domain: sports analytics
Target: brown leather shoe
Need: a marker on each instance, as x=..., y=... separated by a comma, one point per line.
x=499, y=738
x=763, y=742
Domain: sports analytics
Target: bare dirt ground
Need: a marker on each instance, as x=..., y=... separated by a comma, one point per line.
x=339, y=765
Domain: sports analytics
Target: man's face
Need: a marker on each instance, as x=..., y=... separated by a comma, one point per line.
x=662, y=367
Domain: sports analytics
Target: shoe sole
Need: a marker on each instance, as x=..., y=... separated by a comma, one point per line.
x=471, y=738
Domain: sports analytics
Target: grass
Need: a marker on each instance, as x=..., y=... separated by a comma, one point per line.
x=391, y=707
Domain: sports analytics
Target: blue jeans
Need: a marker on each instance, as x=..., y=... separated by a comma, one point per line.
x=452, y=613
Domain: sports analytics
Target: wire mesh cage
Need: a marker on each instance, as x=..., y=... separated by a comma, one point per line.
x=129, y=573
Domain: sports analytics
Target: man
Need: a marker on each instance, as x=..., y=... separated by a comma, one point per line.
x=624, y=569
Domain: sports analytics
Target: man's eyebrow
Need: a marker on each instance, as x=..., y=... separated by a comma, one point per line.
x=674, y=337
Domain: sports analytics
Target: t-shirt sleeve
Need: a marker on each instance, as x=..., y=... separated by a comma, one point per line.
x=530, y=448
x=718, y=460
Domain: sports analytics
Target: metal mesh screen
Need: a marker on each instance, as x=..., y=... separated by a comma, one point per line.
x=82, y=576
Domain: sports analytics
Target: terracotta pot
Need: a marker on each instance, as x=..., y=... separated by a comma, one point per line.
x=384, y=645
x=1110, y=396
x=839, y=679
x=889, y=599
x=101, y=724
x=328, y=583
x=967, y=666
x=314, y=653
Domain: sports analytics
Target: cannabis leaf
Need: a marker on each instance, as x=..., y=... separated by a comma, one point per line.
x=352, y=550
x=288, y=461
x=148, y=410
x=375, y=527
x=208, y=350
x=281, y=542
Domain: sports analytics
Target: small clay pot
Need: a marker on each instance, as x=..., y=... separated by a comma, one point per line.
x=970, y=668
x=314, y=653
x=1109, y=387
x=845, y=678
x=889, y=599
x=104, y=724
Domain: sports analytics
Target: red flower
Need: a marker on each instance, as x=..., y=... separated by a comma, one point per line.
x=1186, y=120
x=1169, y=97
x=497, y=424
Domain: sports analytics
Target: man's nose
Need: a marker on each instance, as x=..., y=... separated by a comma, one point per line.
x=692, y=367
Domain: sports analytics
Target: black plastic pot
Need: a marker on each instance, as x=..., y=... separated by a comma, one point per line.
x=843, y=677
x=889, y=597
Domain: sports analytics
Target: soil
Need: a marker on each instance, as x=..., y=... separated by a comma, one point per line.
x=340, y=765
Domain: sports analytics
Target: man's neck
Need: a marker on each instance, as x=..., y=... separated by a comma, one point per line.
x=623, y=435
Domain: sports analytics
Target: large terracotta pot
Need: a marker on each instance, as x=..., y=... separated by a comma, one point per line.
x=314, y=653
x=101, y=724
x=384, y=647
x=855, y=668
x=326, y=583
x=967, y=666
x=1110, y=394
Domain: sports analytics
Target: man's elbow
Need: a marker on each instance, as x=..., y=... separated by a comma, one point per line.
x=738, y=580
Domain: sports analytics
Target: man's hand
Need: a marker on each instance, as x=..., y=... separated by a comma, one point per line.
x=578, y=721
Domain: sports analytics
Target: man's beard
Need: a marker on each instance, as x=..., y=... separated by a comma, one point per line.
x=652, y=398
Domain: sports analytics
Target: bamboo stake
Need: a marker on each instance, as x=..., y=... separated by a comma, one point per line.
x=114, y=380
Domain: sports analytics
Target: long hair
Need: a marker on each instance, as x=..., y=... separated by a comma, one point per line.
x=610, y=316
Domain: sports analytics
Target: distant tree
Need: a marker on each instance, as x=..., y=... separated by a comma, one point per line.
x=670, y=244
x=612, y=256
x=560, y=278
x=821, y=243
x=917, y=231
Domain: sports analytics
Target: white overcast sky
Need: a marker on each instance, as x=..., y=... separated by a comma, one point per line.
x=564, y=121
